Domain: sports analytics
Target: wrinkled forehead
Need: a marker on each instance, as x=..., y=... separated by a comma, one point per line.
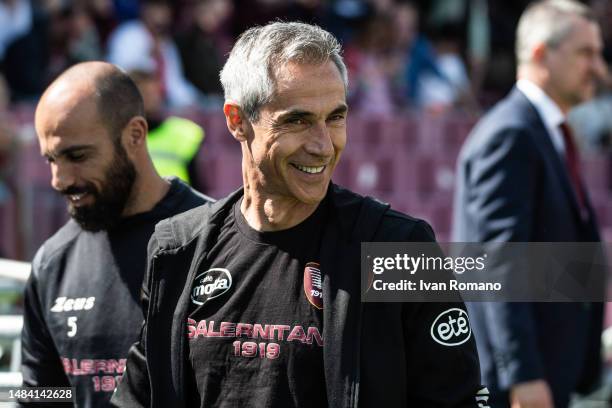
x=307, y=77
x=281, y=69
x=313, y=90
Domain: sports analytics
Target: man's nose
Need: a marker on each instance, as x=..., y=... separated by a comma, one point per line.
x=61, y=177
x=320, y=143
x=600, y=68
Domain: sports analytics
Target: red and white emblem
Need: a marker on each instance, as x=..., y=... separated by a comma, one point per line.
x=313, y=284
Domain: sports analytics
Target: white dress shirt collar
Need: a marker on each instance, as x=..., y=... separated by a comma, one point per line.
x=549, y=111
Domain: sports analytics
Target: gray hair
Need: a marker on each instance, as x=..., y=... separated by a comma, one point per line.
x=248, y=75
x=548, y=22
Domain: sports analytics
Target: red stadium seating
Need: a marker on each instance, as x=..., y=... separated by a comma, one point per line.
x=408, y=160
x=9, y=232
x=596, y=170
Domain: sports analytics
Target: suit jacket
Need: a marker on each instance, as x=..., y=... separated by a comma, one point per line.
x=513, y=186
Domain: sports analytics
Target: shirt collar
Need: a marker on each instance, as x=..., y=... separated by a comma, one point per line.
x=549, y=111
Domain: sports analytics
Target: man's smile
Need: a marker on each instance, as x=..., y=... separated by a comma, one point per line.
x=309, y=169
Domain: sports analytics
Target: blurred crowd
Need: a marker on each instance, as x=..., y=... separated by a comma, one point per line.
x=435, y=56
x=432, y=55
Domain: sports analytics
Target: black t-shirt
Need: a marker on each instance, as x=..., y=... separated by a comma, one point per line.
x=82, y=305
x=255, y=335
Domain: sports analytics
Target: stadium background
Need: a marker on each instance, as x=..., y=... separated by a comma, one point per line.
x=421, y=74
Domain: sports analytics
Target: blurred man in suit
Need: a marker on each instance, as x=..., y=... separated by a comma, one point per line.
x=519, y=180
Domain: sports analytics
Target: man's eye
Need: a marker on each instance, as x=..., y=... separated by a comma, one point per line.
x=297, y=121
x=76, y=157
x=336, y=118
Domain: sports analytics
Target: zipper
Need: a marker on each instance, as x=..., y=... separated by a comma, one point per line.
x=151, y=323
x=353, y=403
x=192, y=273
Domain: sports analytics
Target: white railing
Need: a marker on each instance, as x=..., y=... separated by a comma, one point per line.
x=10, y=325
x=14, y=270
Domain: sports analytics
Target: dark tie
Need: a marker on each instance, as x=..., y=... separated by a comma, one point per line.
x=572, y=161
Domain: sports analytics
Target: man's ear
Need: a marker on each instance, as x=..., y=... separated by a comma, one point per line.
x=134, y=134
x=539, y=52
x=236, y=121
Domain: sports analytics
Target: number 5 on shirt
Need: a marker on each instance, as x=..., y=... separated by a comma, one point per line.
x=72, y=325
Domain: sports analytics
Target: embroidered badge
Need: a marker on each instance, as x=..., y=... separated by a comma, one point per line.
x=451, y=327
x=313, y=284
x=210, y=284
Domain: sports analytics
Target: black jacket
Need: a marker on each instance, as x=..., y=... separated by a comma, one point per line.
x=375, y=354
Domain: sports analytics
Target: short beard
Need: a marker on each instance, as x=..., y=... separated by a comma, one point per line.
x=106, y=211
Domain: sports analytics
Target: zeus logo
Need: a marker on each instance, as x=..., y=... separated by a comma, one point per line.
x=210, y=284
x=451, y=327
x=64, y=304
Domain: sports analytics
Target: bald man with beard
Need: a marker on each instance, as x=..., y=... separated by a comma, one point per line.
x=82, y=307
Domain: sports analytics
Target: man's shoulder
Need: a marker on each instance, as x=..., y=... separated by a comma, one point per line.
x=188, y=198
x=179, y=199
x=392, y=225
x=181, y=228
x=510, y=112
x=511, y=120
x=185, y=226
x=56, y=245
x=397, y=226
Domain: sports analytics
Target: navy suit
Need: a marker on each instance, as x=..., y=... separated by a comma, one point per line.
x=514, y=186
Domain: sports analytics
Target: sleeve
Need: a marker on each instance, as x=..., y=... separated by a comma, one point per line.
x=439, y=375
x=502, y=187
x=134, y=390
x=40, y=362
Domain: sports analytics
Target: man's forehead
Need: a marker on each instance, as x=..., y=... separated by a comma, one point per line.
x=62, y=126
x=597, y=35
x=62, y=141
x=293, y=72
x=68, y=92
x=584, y=32
x=308, y=86
x=58, y=108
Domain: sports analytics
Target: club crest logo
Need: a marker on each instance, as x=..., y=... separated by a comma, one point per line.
x=313, y=284
x=210, y=284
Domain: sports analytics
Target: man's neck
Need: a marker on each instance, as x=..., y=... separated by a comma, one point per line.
x=264, y=212
x=543, y=84
x=146, y=193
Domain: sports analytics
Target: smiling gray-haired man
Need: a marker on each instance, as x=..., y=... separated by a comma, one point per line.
x=255, y=301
